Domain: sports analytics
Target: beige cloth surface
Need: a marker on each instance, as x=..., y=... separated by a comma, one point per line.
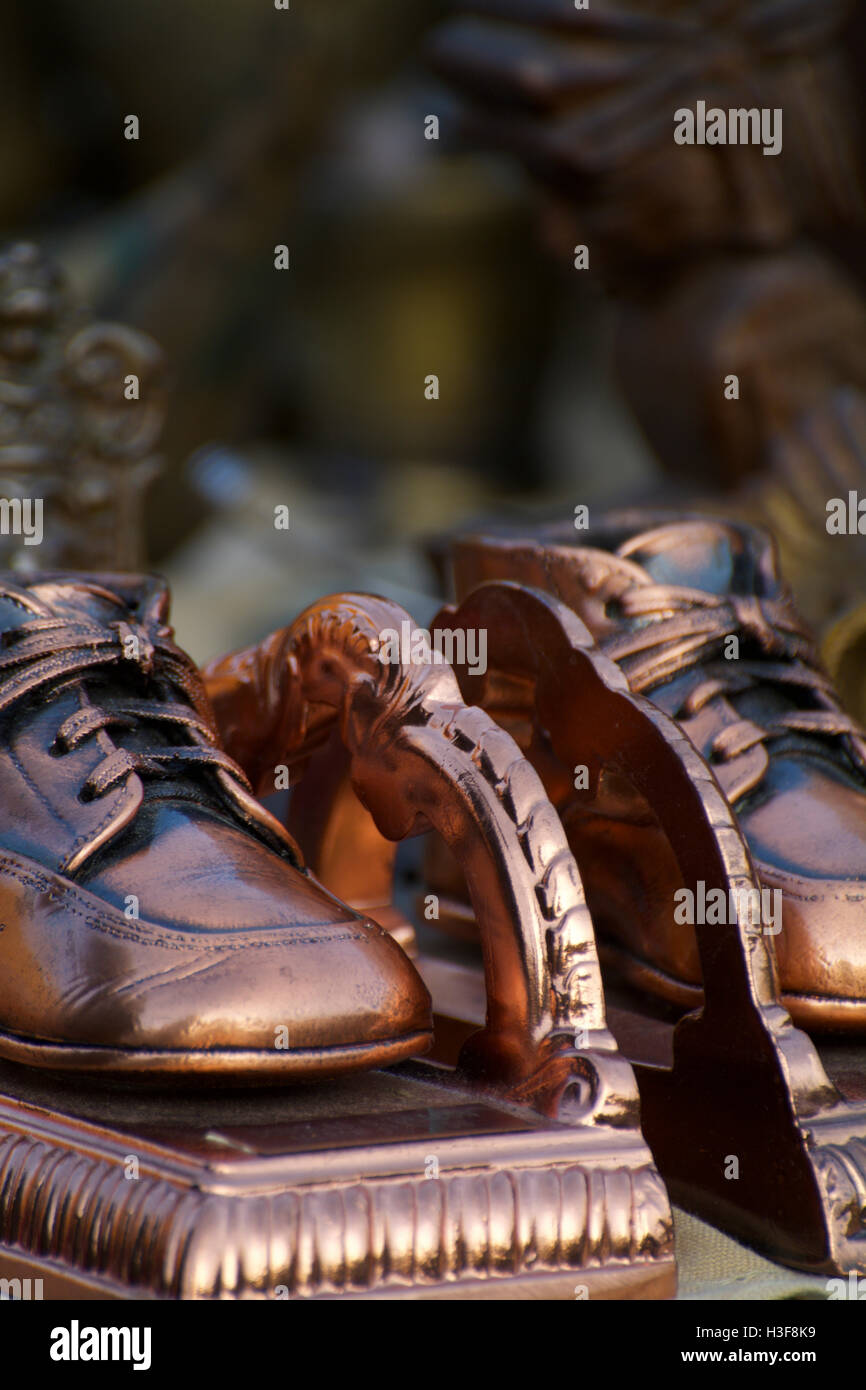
x=714, y=1267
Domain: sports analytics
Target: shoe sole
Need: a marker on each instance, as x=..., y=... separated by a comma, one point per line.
x=814, y=1012
x=229, y=1064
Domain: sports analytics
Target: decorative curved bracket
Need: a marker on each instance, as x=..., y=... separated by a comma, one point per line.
x=739, y=1057
x=422, y=759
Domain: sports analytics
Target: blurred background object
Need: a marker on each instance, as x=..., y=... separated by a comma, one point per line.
x=80, y=415
x=304, y=128
x=411, y=256
x=585, y=98
x=740, y=341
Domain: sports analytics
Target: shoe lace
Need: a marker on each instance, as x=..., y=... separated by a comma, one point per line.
x=46, y=653
x=674, y=629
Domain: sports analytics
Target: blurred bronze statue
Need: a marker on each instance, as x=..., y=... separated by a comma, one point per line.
x=741, y=344
x=586, y=98
x=81, y=408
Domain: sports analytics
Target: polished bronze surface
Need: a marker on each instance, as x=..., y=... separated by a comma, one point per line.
x=735, y=1080
x=341, y=842
x=399, y=1184
x=156, y=920
x=696, y=617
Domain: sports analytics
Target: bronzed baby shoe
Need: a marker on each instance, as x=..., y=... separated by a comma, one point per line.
x=694, y=613
x=155, y=919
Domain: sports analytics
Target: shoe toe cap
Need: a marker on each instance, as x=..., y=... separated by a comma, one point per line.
x=328, y=990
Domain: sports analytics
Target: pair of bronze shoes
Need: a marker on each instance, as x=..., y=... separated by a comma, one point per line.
x=157, y=920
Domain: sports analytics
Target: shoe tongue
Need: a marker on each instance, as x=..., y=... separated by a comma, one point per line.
x=60, y=598
x=80, y=599
x=83, y=598
x=707, y=555
x=86, y=599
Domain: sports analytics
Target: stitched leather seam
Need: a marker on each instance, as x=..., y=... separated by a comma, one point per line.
x=35, y=789
x=821, y=888
x=107, y=927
